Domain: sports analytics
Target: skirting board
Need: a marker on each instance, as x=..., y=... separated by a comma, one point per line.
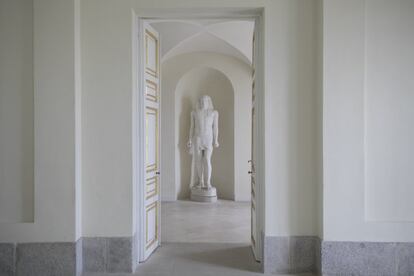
x=310, y=254
x=7, y=259
x=367, y=258
x=107, y=255
x=46, y=259
x=293, y=254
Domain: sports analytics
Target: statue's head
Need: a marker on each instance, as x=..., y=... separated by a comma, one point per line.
x=205, y=102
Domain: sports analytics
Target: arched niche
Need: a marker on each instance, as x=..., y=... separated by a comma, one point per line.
x=195, y=83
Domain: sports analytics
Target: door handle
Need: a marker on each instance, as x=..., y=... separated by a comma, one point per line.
x=250, y=172
x=157, y=173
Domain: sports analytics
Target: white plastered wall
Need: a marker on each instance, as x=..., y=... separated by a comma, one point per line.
x=319, y=114
x=16, y=112
x=54, y=127
x=368, y=120
x=239, y=74
x=290, y=112
x=107, y=192
x=291, y=186
x=291, y=137
x=107, y=81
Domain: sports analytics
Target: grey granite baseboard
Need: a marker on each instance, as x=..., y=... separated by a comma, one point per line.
x=51, y=258
x=46, y=259
x=108, y=254
x=367, y=258
x=79, y=257
x=135, y=257
x=295, y=254
x=7, y=259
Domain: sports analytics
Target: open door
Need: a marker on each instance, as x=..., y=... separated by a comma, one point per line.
x=150, y=196
x=252, y=172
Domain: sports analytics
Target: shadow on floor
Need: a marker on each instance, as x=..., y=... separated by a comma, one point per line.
x=238, y=257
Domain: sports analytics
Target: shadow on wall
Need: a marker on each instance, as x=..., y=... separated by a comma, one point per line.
x=198, y=82
x=184, y=156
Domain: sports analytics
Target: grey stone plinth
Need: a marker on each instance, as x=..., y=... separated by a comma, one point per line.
x=108, y=254
x=120, y=255
x=94, y=254
x=99, y=255
x=46, y=259
x=7, y=255
x=358, y=258
x=405, y=258
x=203, y=194
x=276, y=255
x=79, y=260
x=303, y=254
x=295, y=254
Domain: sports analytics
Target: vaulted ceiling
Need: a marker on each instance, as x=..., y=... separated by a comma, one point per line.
x=233, y=38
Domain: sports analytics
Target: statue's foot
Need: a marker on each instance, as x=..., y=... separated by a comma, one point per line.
x=209, y=186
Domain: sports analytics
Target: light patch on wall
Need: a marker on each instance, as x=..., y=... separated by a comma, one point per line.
x=389, y=112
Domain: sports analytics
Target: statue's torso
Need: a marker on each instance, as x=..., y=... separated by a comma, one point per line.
x=203, y=128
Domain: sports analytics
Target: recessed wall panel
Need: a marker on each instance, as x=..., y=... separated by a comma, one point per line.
x=389, y=111
x=16, y=111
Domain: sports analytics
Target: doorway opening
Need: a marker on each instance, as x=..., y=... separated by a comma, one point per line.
x=194, y=57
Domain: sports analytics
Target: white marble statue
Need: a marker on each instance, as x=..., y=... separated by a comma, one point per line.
x=203, y=136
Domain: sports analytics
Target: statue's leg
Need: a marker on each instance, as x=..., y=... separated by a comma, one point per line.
x=207, y=160
x=198, y=155
x=193, y=171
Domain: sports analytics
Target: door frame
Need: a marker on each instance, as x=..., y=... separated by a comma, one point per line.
x=138, y=110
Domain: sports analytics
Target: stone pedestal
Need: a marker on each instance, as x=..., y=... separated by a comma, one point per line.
x=203, y=194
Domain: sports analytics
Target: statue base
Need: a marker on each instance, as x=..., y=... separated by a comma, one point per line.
x=203, y=194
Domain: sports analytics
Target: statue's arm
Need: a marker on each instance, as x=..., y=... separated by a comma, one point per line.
x=189, y=143
x=215, y=129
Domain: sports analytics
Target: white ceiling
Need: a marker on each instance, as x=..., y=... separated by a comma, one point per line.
x=233, y=38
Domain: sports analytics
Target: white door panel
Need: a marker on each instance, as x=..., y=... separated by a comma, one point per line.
x=151, y=194
x=254, y=234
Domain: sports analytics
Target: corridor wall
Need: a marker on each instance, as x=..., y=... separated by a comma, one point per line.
x=16, y=112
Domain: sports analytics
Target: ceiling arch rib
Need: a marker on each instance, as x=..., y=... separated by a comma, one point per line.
x=205, y=42
x=233, y=38
x=238, y=34
x=173, y=33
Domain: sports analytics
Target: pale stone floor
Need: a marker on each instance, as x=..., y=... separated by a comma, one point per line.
x=199, y=239
x=222, y=222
